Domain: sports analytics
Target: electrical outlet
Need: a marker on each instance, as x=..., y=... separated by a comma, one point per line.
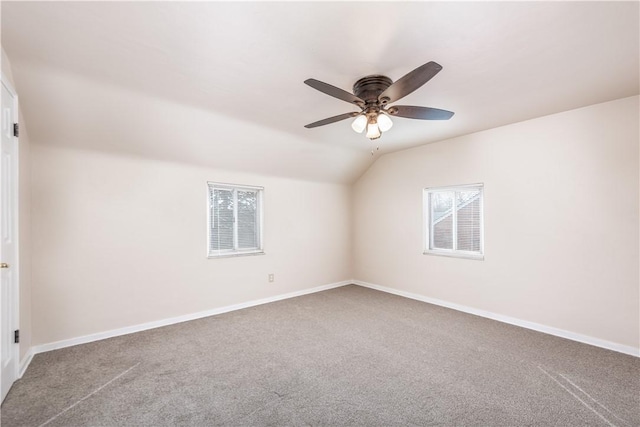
x=271, y=277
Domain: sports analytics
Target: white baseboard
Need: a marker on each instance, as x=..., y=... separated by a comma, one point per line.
x=510, y=320
x=165, y=322
x=24, y=363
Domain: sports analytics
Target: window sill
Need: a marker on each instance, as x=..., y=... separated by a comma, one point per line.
x=235, y=254
x=477, y=257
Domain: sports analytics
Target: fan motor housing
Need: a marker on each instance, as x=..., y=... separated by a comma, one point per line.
x=370, y=87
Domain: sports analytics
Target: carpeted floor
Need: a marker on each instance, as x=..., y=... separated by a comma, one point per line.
x=348, y=356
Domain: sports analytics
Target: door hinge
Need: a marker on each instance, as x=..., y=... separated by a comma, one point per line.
x=16, y=336
x=16, y=130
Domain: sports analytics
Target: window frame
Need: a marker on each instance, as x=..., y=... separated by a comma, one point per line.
x=426, y=221
x=259, y=250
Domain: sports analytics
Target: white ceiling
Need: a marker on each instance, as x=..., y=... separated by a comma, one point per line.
x=78, y=64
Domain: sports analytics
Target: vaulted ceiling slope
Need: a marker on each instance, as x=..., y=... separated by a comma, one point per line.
x=221, y=84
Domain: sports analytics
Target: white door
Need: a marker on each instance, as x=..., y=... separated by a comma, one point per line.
x=9, y=241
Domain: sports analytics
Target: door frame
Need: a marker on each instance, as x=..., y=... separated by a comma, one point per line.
x=16, y=211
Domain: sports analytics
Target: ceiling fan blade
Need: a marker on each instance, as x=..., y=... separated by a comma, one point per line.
x=331, y=120
x=334, y=91
x=422, y=113
x=410, y=82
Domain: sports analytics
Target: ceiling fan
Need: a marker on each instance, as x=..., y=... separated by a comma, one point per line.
x=372, y=94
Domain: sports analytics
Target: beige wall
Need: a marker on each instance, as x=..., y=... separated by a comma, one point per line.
x=24, y=222
x=120, y=241
x=561, y=221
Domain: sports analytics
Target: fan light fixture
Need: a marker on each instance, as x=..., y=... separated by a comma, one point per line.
x=374, y=123
x=359, y=124
x=384, y=122
x=373, y=131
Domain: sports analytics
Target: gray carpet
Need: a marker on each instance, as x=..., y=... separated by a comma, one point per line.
x=348, y=356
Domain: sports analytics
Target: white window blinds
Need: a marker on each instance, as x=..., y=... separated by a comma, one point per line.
x=468, y=220
x=442, y=222
x=235, y=220
x=453, y=221
x=247, y=220
x=222, y=220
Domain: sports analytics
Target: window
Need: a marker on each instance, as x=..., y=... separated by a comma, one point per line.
x=235, y=220
x=453, y=219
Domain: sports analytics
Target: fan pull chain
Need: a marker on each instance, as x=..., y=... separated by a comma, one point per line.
x=377, y=148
